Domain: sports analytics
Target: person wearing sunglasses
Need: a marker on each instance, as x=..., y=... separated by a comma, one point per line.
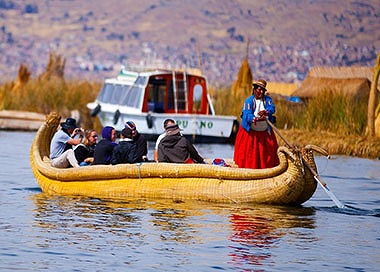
x=84, y=152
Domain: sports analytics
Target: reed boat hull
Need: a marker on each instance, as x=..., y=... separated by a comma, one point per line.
x=286, y=184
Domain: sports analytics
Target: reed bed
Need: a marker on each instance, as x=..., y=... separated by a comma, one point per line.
x=333, y=120
x=334, y=143
x=44, y=96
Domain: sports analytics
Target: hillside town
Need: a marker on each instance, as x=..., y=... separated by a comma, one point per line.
x=219, y=58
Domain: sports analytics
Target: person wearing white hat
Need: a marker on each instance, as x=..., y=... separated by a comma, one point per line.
x=256, y=144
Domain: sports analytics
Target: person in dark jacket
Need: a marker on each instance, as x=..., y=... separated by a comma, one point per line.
x=84, y=152
x=126, y=150
x=103, y=149
x=174, y=147
x=141, y=143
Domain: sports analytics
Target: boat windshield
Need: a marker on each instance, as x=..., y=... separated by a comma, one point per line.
x=123, y=94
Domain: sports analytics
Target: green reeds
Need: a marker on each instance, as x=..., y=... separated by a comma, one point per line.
x=329, y=111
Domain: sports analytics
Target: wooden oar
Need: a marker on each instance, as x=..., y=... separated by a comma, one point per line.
x=306, y=163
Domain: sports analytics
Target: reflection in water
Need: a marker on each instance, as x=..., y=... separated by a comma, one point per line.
x=256, y=231
x=94, y=220
x=250, y=232
x=173, y=225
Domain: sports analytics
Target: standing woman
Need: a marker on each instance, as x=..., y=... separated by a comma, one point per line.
x=256, y=144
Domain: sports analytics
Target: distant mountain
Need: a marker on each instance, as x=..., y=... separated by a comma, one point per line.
x=286, y=38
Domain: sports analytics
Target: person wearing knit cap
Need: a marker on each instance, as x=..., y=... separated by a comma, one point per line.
x=104, y=148
x=126, y=150
x=141, y=142
x=174, y=147
x=256, y=144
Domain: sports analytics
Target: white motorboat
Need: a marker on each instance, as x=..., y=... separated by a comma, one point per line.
x=149, y=97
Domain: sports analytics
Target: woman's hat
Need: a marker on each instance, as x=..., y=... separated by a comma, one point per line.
x=260, y=83
x=70, y=123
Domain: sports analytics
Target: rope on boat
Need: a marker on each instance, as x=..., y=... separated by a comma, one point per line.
x=139, y=169
x=303, y=165
x=234, y=201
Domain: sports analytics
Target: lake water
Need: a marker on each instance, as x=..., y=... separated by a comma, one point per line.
x=39, y=232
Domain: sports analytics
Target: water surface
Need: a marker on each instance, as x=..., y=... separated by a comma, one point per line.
x=39, y=232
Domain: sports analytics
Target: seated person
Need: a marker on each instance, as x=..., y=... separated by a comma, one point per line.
x=103, y=149
x=141, y=143
x=61, y=151
x=84, y=152
x=168, y=122
x=126, y=150
x=174, y=147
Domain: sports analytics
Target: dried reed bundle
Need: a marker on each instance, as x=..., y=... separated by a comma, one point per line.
x=281, y=88
x=313, y=86
x=343, y=72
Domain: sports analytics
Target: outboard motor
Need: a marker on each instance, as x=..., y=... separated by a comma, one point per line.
x=116, y=116
x=96, y=110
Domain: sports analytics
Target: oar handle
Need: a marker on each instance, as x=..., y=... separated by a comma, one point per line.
x=279, y=133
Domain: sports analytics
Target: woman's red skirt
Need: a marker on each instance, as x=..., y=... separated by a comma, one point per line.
x=255, y=149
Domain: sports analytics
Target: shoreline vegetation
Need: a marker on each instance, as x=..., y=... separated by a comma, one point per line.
x=336, y=122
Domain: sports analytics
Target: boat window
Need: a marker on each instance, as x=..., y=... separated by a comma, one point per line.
x=141, y=80
x=118, y=94
x=132, y=97
x=181, y=96
x=197, y=98
x=156, y=95
x=106, y=93
x=171, y=96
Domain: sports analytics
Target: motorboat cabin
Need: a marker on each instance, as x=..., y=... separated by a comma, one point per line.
x=148, y=98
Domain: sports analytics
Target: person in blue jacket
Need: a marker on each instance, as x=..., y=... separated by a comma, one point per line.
x=256, y=144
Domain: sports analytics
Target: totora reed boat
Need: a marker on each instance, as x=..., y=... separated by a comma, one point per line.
x=289, y=183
